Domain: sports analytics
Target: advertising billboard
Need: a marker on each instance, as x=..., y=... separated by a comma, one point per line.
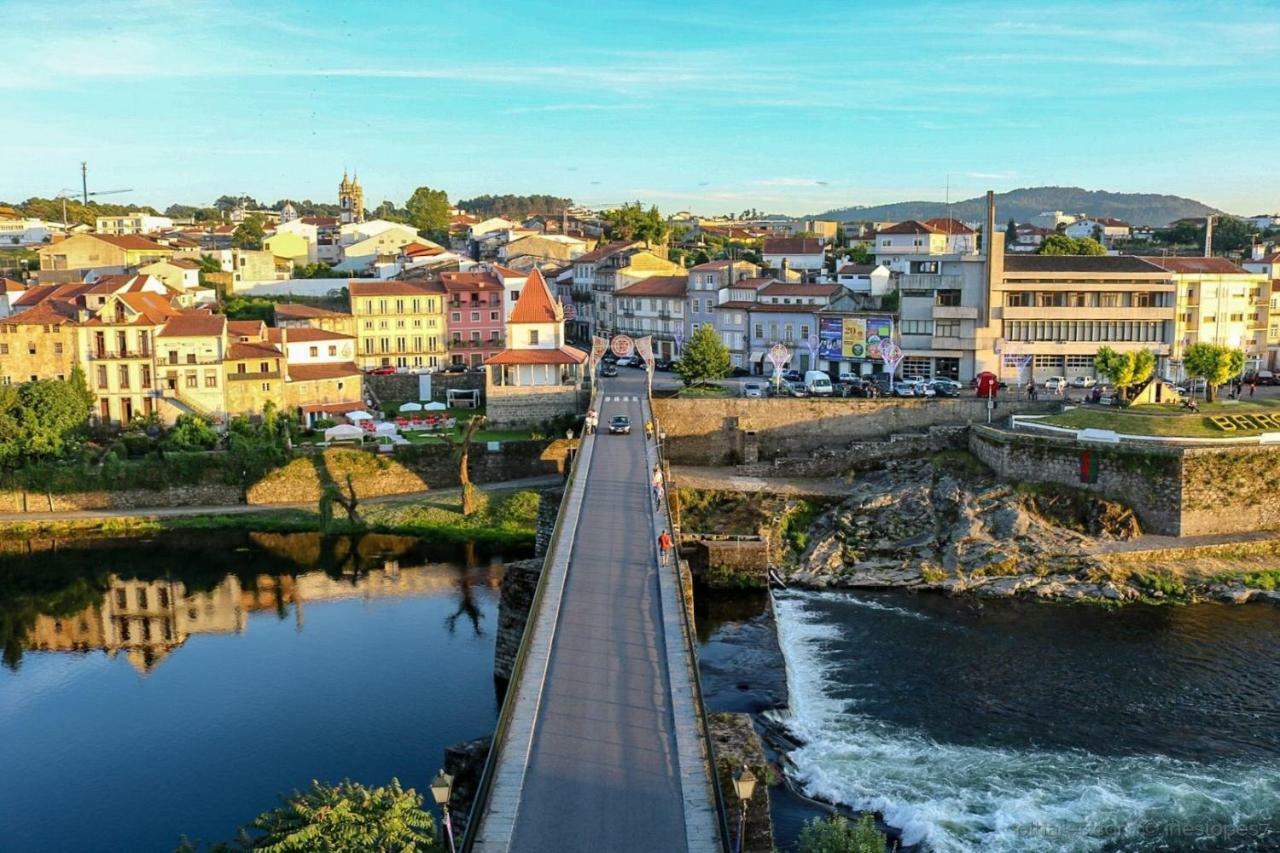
x=852, y=338
x=878, y=329
x=830, y=337
x=855, y=338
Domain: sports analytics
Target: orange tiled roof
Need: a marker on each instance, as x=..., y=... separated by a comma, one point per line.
x=312, y=372
x=562, y=355
x=535, y=303
x=190, y=324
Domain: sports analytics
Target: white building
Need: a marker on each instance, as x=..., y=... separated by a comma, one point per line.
x=805, y=255
x=872, y=279
x=24, y=232
x=122, y=224
x=1102, y=228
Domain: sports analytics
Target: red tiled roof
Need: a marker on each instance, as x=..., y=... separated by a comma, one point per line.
x=194, y=324
x=535, y=304
x=130, y=241
x=911, y=226
x=392, y=287
x=785, y=288
x=949, y=226
x=562, y=355
x=753, y=283
x=50, y=312
x=1211, y=266
x=792, y=246
x=601, y=252
x=296, y=334
x=413, y=250
x=334, y=408
x=245, y=351
x=469, y=282
x=508, y=272
x=185, y=263
x=311, y=372
x=8, y=285
x=857, y=269
x=784, y=309
x=735, y=305
x=245, y=328
x=668, y=286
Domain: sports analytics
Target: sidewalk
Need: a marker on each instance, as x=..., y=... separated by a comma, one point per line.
x=726, y=480
x=245, y=509
x=1152, y=542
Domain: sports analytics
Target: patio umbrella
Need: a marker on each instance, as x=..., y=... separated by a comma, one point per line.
x=386, y=428
x=434, y=407
x=342, y=432
x=359, y=415
x=411, y=407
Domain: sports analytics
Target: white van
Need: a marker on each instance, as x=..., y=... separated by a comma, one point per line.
x=817, y=383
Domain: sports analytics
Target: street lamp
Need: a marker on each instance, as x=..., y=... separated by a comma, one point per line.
x=441, y=788
x=744, y=785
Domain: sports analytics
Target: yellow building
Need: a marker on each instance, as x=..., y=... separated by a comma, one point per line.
x=1219, y=303
x=95, y=251
x=292, y=247
x=254, y=376
x=398, y=323
x=292, y=315
x=118, y=342
x=189, y=361
x=38, y=343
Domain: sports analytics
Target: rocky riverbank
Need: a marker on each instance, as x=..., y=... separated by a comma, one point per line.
x=946, y=524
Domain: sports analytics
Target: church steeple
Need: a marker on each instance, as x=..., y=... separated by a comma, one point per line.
x=350, y=199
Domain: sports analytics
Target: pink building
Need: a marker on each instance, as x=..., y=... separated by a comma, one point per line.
x=473, y=316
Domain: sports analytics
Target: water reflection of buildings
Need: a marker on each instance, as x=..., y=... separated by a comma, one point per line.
x=146, y=619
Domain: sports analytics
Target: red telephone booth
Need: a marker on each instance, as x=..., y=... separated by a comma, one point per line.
x=988, y=384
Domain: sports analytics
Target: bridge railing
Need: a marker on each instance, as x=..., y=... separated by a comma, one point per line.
x=690, y=632
x=509, y=701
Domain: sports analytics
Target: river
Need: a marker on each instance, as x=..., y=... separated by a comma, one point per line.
x=1017, y=726
x=179, y=685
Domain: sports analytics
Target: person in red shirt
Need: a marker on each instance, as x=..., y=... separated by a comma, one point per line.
x=664, y=545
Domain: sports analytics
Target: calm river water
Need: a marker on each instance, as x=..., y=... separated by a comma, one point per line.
x=1015, y=726
x=179, y=685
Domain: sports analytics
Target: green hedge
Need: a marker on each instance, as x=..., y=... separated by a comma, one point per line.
x=115, y=474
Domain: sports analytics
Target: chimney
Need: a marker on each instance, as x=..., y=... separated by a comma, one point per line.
x=1208, y=236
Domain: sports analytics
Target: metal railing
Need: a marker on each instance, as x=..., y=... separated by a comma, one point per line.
x=509, y=701
x=690, y=647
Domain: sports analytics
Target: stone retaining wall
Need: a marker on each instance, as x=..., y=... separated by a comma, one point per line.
x=208, y=494
x=1175, y=491
x=409, y=469
x=522, y=407
x=860, y=455
x=729, y=431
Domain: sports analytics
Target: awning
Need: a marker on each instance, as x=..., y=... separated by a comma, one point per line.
x=359, y=415
x=411, y=407
x=342, y=432
x=756, y=355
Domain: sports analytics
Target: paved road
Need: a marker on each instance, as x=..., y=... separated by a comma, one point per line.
x=603, y=770
x=244, y=509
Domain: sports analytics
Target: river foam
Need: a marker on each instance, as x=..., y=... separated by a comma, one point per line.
x=962, y=797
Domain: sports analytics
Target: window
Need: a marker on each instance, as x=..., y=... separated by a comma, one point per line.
x=1143, y=300
x=191, y=358
x=102, y=376
x=31, y=348
x=947, y=328
x=948, y=298
x=57, y=349
x=917, y=327
x=475, y=316
x=1109, y=300
x=1043, y=361
x=533, y=337
x=266, y=386
x=146, y=376
x=1019, y=300
x=759, y=330
x=124, y=376
x=210, y=379
x=313, y=351
x=4, y=349
x=1079, y=362
x=457, y=316
x=142, y=598
x=192, y=379
x=493, y=316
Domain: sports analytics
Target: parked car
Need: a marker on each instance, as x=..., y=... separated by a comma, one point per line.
x=920, y=386
x=740, y=371
x=609, y=357
x=1262, y=377
x=903, y=389
x=384, y=370
x=1056, y=383
x=753, y=390
x=946, y=387
x=455, y=368
x=608, y=371
x=620, y=425
x=793, y=376
x=664, y=364
x=884, y=385
x=625, y=361
x=850, y=377
x=1082, y=382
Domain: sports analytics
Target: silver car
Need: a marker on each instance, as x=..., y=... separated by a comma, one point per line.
x=753, y=390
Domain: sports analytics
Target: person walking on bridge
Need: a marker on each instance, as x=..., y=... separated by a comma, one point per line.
x=664, y=546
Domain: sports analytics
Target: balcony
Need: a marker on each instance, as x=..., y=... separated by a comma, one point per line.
x=108, y=355
x=1069, y=312
x=954, y=312
x=925, y=281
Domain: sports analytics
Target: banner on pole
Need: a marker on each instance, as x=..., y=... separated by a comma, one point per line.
x=622, y=346
x=644, y=347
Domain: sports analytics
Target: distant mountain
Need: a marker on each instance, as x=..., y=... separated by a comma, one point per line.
x=1028, y=202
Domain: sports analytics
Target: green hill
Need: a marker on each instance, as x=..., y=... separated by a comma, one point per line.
x=1025, y=203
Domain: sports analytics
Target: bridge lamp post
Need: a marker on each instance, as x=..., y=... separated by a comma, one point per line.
x=441, y=788
x=744, y=785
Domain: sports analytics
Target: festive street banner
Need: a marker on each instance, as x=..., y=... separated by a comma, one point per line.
x=778, y=357
x=812, y=344
x=891, y=354
x=644, y=346
x=599, y=346
x=678, y=335
x=622, y=346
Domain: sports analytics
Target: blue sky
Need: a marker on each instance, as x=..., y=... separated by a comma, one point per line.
x=711, y=107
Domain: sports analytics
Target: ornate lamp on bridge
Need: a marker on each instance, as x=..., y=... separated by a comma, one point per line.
x=441, y=788
x=744, y=785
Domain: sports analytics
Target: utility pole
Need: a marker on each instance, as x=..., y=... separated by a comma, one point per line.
x=84, y=181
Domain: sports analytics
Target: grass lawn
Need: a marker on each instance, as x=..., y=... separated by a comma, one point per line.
x=1169, y=421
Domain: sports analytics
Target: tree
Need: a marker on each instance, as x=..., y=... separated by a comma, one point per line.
x=462, y=454
x=705, y=358
x=1231, y=234
x=1011, y=232
x=249, y=234
x=44, y=419
x=837, y=835
x=348, y=500
x=858, y=254
x=191, y=432
x=1061, y=244
x=1124, y=369
x=1216, y=364
x=633, y=222
x=347, y=818
x=428, y=211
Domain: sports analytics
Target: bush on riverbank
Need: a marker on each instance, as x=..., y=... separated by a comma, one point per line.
x=837, y=834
